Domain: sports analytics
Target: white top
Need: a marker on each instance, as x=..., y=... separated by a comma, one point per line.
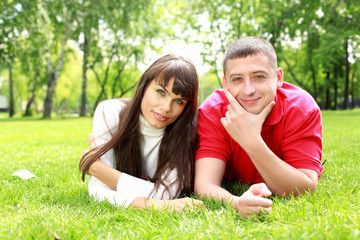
x=105, y=124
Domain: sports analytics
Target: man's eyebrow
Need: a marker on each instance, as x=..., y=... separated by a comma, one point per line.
x=235, y=74
x=260, y=71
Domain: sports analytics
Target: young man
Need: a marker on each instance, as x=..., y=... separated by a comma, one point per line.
x=258, y=129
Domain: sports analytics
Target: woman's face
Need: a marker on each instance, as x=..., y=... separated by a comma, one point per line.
x=160, y=106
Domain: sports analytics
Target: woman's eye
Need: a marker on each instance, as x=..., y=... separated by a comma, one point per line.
x=161, y=92
x=179, y=101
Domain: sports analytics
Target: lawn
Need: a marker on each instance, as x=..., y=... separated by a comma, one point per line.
x=55, y=203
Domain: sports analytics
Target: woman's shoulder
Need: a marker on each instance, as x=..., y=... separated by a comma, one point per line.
x=109, y=110
x=112, y=105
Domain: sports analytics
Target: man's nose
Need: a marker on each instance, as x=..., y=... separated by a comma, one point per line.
x=249, y=88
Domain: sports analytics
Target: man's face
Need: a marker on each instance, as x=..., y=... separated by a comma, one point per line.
x=252, y=81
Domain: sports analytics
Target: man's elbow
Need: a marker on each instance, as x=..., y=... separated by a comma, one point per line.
x=309, y=187
x=199, y=188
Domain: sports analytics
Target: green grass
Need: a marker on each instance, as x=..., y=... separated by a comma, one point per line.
x=57, y=202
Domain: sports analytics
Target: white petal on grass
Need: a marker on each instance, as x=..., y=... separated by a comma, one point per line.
x=23, y=174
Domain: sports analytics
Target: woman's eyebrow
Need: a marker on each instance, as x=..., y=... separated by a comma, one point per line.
x=165, y=89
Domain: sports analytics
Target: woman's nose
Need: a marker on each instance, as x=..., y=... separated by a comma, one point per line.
x=167, y=105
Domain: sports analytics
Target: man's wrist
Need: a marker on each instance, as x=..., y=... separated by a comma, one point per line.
x=254, y=145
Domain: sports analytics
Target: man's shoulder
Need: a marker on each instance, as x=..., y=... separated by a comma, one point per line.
x=216, y=101
x=294, y=97
x=297, y=105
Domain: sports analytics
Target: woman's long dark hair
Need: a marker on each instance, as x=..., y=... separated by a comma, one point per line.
x=179, y=142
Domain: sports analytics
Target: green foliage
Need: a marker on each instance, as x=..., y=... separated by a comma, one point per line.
x=208, y=83
x=312, y=39
x=316, y=30
x=68, y=90
x=57, y=202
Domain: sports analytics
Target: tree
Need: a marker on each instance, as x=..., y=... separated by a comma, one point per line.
x=218, y=24
x=64, y=32
x=9, y=35
x=89, y=15
x=33, y=47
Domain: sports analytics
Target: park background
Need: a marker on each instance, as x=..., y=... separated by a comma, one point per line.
x=60, y=58
x=64, y=57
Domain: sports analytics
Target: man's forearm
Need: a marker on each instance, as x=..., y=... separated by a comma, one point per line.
x=214, y=191
x=280, y=177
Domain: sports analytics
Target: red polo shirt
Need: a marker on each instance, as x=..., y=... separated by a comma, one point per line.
x=293, y=131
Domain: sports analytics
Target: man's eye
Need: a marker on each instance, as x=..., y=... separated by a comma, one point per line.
x=237, y=79
x=161, y=92
x=259, y=77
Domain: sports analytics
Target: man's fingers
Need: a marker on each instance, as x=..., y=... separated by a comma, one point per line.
x=223, y=122
x=267, y=110
x=256, y=201
x=267, y=209
x=198, y=203
x=230, y=97
x=234, y=104
x=260, y=189
x=254, y=212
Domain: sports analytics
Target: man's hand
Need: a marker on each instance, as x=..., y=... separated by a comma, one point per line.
x=244, y=127
x=252, y=202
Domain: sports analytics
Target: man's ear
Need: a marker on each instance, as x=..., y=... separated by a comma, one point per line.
x=279, y=77
x=224, y=82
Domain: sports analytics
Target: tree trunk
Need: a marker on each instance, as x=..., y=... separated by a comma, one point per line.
x=328, y=100
x=335, y=90
x=297, y=81
x=347, y=71
x=118, y=77
x=352, y=91
x=103, y=84
x=313, y=74
x=53, y=77
x=123, y=92
x=84, y=78
x=50, y=89
x=32, y=98
x=11, y=89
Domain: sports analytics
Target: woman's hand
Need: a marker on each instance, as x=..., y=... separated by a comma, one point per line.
x=170, y=205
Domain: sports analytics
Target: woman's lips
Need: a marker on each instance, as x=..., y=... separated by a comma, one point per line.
x=160, y=117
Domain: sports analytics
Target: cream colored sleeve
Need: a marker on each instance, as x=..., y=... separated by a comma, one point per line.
x=105, y=123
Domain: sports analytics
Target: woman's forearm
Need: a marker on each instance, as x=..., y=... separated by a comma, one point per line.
x=171, y=205
x=106, y=174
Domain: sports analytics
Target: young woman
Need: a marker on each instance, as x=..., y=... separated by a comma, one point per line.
x=146, y=145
